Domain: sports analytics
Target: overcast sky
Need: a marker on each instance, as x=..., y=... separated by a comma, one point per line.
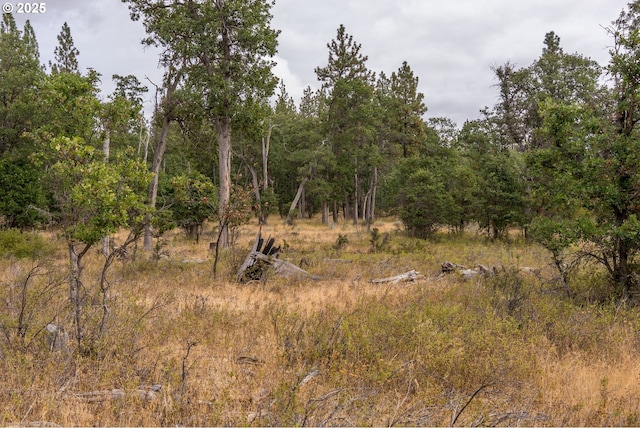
x=451, y=45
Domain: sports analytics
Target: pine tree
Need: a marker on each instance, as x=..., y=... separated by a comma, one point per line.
x=66, y=54
x=350, y=122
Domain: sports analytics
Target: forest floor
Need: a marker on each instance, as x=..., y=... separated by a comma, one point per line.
x=182, y=347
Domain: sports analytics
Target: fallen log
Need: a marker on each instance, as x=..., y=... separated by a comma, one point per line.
x=412, y=275
x=484, y=271
x=448, y=267
x=261, y=260
x=144, y=393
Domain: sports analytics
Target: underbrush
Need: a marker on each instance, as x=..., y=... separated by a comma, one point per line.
x=182, y=347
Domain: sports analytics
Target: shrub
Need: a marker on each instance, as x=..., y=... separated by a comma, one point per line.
x=22, y=245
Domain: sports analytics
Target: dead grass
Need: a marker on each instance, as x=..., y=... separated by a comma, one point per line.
x=338, y=351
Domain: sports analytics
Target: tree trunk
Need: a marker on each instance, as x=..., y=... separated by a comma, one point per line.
x=223, y=127
x=256, y=190
x=355, y=198
x=622, y=273
x=106, y=149
x=75, y=287
x=302, y=211
x=295, y=202
x=325, y=212
x=374, y=190
x=265, y=157
x=158, y=156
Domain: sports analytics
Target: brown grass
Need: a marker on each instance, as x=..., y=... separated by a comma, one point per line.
x=338, y=351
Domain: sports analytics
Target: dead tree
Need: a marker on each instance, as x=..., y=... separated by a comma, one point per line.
x=260, y=260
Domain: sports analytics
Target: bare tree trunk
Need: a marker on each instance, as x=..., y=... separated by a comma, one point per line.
x=158, y=155
x=374, y=191
x=302, y=212
x=256, y=190
x=147, y=136
x=75, y=287
x=355, y=199
x=106, y=144
x=347, y=212
x=223, y=127
x=295, y=202
x=106, y=149
x=370, y=200
x=366, y=204
x=265, y=157
x=325, y=212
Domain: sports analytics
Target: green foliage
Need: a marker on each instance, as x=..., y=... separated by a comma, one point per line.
x=341, y=242
x=423, y=190
x=70, y=103
x=425, y=203
x=20, y=76
x=584, y=189
x=66, y=54
x=499, y=193
x=93, y=198
x=193, y=201
x=18, y=244
x=241, y=207
x=22, y=193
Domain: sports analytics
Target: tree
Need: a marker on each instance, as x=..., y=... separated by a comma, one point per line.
x=66, y=54
x=22, y=193
x=403, y=108
x=92, y=199
x=350, y=122
x=20, y=113
x=192, y=202
x=420, y=195
x=174, y=60
x=20, y=76
x=586, y=176
x=495, y=196
x=70, y=103
x=225, y=48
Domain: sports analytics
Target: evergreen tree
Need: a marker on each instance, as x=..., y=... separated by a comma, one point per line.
x=406, y=110
x=65, y=54
x=350, y=122
x=20, y=114
x=20, y=76
x=584, y=176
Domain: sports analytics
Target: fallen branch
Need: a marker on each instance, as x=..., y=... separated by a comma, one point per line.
x=407, y=276
x=144, y=393
x=482, y=270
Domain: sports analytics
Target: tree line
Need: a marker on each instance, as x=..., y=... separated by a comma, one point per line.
x=557, y=155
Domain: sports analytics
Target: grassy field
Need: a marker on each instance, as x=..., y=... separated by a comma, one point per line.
x=182, y=347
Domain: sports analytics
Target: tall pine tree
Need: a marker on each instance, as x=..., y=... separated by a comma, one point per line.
x=66, y=54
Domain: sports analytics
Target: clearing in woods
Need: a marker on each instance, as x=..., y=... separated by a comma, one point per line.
x=181, y=347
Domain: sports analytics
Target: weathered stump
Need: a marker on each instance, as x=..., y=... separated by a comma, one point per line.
x=260, y=260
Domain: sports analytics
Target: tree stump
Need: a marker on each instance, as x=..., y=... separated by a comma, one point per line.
x=260, y=260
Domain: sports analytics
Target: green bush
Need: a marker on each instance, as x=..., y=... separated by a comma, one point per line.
x=22, y=245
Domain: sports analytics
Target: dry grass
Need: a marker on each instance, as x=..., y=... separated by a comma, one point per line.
x=338, y=351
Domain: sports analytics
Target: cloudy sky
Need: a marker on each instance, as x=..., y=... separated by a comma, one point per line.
x=451, y=45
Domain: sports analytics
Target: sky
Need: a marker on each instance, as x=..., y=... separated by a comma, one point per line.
x=451, y=45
